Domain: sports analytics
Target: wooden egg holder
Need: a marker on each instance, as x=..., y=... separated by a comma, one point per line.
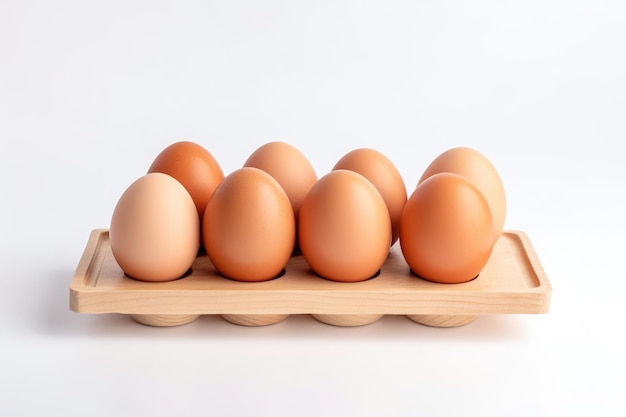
x=512, y=282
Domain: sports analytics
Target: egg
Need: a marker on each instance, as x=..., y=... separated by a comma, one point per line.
x=287, y=165
x=446, y=229
x=381, y=172
x=194, y=167
x=344, y=226
x=249, y=226
x=475, y=166
x=154, y=232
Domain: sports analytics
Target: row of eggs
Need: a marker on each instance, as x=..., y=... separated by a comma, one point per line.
x=251, y=221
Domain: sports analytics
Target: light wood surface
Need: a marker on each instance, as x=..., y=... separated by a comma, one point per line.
x=348, y=320
x=438, y=320
x=164, y=320
x=512, y=282
x=254, y=319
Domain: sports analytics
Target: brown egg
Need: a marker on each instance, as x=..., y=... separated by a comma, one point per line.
x=194, y=167
x=288, y=166
x=446, y=229
x=155, y=230
x=480, y=171
x=249, y=226
x=381, y=172
x=345, y=231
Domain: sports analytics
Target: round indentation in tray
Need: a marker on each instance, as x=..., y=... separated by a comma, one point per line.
x=185, y=275
x=280, y=274
x=376, y=274
x=414, y=274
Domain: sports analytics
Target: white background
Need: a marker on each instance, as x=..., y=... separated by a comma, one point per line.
x=90, y=93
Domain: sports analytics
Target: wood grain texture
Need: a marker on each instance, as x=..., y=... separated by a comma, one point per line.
x=252, y=320
x=434, y=320
x=512, y=282
x=164, y=320
x=348, y=320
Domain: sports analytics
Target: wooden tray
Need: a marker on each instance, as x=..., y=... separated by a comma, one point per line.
x=512, y=282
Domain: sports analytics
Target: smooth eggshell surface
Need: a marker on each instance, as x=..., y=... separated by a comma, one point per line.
x=155, y=229
x=344, y=225
x=249, y=226
x=287, y=165
x=381, y=172
x=446, y=229
x=474, y=166
x=194, y=167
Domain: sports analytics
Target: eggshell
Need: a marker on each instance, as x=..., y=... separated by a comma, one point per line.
x=287, y=165
x=194, y=167
x=249, y=226
x=345, y=230
x=446, y=229
x=474, y=166
x=381, y=172
x=155, y=231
